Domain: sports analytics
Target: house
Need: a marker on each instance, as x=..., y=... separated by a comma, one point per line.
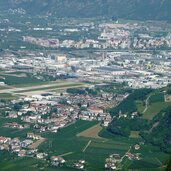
x=26, y=143
x=84, y=117
x=57, y=161
x=80, y=164
x=82, y=161
x=110, y=166
x=137, y=147
x=15, y=141
x=33, y=136
x=22, y=153
x=41, y=155
x=13, y=115
x=4, y=140
x=30, y=135
x=95, y=110
x=4, y=147
x=15, y=148
x=32, y=151
x=106, y=123
x=134, y=114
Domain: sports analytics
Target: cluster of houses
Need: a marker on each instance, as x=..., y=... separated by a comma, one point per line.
x=132, y=156
x=112, y=161
x=95, y=113
x=55, y=111
x=125, y=115
x=57, y=161
x=16, y=125
x=20, y=147
x=80, y=164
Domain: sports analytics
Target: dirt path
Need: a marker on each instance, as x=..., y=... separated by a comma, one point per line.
x=161, y=164
x=146, y=104
x=66, y=154
x=119, y=166
x=86, y=146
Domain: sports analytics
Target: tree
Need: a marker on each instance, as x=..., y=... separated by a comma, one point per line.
x=169, y=166
x=17, y=106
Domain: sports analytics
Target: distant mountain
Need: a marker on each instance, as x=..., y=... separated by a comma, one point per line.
x=128, y=9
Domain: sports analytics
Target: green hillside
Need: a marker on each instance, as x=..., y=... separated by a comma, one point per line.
x=152, y=121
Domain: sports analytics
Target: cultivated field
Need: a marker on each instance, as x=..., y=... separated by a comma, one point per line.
x=67, y=144
x=95, y=150
x=37, y=143
x=154, y=109
x=134, y=134
x=168, y=98
x=92, y=132
x=7, y=96
x=152, y=105
x=81, y=141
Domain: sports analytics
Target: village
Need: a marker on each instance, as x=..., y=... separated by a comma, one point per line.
x=50, y=112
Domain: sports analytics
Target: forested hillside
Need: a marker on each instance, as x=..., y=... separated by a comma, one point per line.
x=128, y=9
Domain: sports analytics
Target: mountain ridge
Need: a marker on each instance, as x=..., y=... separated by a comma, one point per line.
x=128, y=9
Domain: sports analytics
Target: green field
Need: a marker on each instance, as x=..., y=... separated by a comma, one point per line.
x=14, y=80
x=67, y=144
x=7, y=96
x=134, y=134
x=20, y=164
x=66, y=141
x=140, y=106
x=156, y=103
x=152, y=158
x=28, y=164
x=154, y=109
x=157, y=97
